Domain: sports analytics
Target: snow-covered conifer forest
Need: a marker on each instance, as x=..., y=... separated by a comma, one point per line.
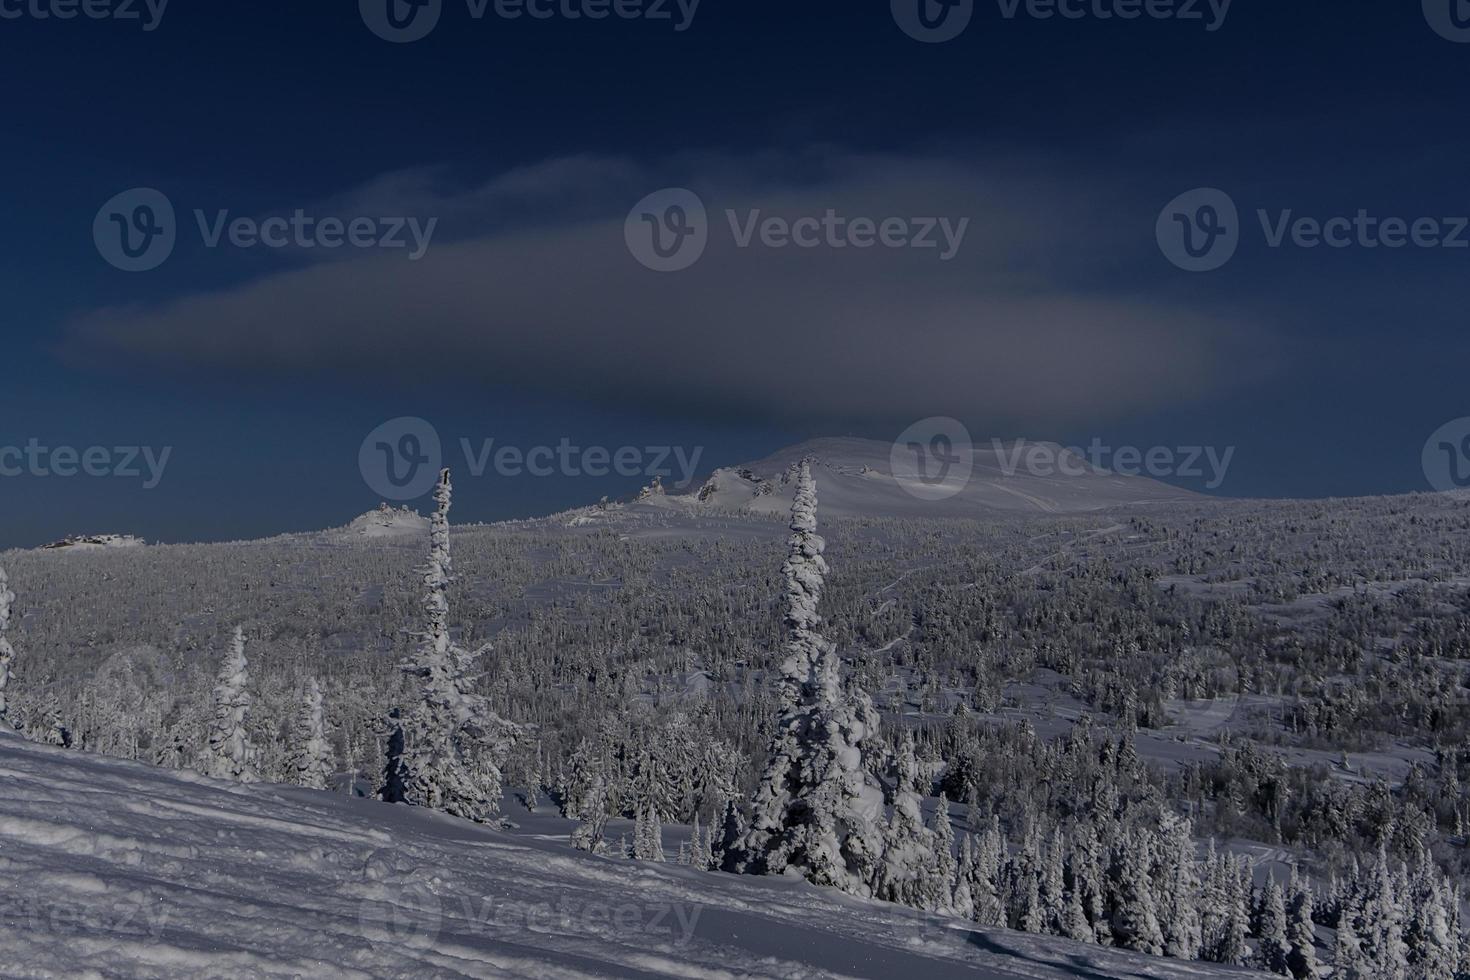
x=1053, y=741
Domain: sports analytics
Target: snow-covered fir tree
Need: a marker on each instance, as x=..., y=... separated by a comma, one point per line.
x=593, y=812
x=1135, y=919
x=908, y=846
x=1023, y=885
x=648, y=835
x=1301, y=937
x=694, y=849
x=7, y=652
x=984, y=876
x=1089, y=882
x=453, y=745
x=1348, y=961
x=728, y=849
x=962, y=901
x=312, y=756
x=1272, y=950
x=1178, y=888
x=1052, y=882
x=817, y=811
x=231, y=754
x=940, y=886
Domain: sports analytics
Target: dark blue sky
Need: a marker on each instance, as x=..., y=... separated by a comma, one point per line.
x=528, y=321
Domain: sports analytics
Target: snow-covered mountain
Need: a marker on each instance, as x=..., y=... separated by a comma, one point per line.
x=389, y=522
x=857, y=479
x=93, y=542
x=117, y=869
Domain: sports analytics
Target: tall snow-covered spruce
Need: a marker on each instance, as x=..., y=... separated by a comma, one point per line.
x=231, y=754
x=816, y=812
x=312, y=756
x=7, y=652
x=446, y=752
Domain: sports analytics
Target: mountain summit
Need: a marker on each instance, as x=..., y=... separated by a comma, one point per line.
x=858, y=479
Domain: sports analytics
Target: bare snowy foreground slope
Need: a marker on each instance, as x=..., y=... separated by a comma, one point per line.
x=117, y=869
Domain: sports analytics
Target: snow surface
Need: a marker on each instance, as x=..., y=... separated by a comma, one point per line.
x=116, y=869
x=855, y=479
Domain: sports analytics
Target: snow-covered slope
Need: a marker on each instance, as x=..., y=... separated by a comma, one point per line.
x=114, y=869
x=857, y=480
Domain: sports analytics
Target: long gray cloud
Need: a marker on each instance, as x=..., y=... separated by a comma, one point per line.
x=529, y=283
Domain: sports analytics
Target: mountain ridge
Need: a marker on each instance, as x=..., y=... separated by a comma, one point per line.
x=867, y=478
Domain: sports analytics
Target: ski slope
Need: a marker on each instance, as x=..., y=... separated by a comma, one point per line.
x=115, y=869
